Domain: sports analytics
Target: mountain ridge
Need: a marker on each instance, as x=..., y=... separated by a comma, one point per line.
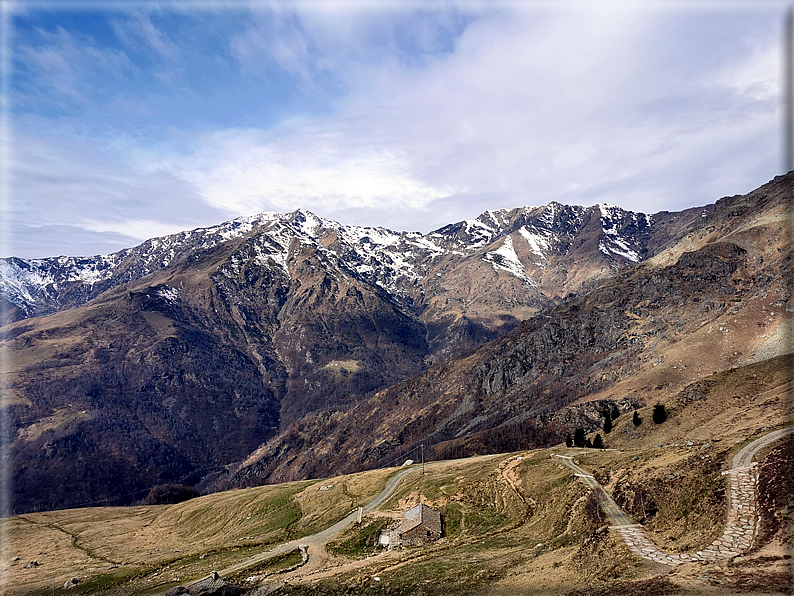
x=22, y=280
x=275, y=335
x=583, y=350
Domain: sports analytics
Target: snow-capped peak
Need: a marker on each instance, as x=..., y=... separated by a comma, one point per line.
x=619, y=228
x=390, y=259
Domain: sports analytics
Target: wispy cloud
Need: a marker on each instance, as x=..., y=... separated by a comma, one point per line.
x=137, y=31
x=406, y=117
x=317, y=170
x=274, y=40
x=71, y=184
x=755, y=77
x=54, y=69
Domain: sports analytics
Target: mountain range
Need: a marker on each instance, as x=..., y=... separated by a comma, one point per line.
x=285, y=346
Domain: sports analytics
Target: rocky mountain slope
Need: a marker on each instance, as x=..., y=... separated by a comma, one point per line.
x=480, y=276
x=514, y=523
x=711, y=301
x=172, y=360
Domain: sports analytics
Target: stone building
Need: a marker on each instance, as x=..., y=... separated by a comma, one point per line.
x=420, y=524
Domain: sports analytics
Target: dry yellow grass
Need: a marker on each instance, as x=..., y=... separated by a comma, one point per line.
x=340, y=366
x=491, y=544
x=141, y=540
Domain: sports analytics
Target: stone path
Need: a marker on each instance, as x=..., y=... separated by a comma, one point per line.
x=740, y=528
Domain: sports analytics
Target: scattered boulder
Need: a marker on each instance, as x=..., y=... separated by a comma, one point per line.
x=177, y=591
x=32, y=564
x=267, y=589
x=214, y=585
x=68, y=585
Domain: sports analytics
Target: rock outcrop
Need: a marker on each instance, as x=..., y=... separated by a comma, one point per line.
x=318, y=347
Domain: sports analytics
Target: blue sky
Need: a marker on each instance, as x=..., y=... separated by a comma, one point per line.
x=130, y=120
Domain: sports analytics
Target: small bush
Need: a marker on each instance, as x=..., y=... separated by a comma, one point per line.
x=168, y=494
x=659, y=413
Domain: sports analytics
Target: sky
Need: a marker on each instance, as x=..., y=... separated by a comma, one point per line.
x=128, y=120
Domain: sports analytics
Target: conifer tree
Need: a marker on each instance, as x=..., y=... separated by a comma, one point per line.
x=615, y=412
x=598, y=442
x=588, y=443
x=636, y=420
x=607, y=422
x=578, y=437
x=568, y=439
x=659, y=413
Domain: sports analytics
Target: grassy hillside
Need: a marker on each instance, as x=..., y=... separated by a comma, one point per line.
x=514, y=523
x=165, y=543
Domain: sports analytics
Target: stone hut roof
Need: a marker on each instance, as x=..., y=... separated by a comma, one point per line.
x=421, y=515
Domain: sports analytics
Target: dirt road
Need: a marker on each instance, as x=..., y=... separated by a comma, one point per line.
x=316, y=542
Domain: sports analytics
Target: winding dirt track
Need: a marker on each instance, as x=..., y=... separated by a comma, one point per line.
x=738, y=536
x=744, y=458
x=740, y=529
x=316, y=542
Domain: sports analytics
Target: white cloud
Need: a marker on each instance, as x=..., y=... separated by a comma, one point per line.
x=756, y=76
x=139, y=229
x=65, y=185
x=312, y=168
x=530, y=107
x=140, y=25
x=437, y=116
x=278, y=39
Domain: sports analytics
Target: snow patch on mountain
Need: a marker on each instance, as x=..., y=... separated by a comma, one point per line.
x=538, y=242
x=506, y=259
x=93, y=272
x=239, y=227
x=613, y=219
x=21, y=282
x=424, y=243
x=168, y=293
x=371, y=237
x=479, y=233
x=384, y=257
x=619, y=248
x=548, y=215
